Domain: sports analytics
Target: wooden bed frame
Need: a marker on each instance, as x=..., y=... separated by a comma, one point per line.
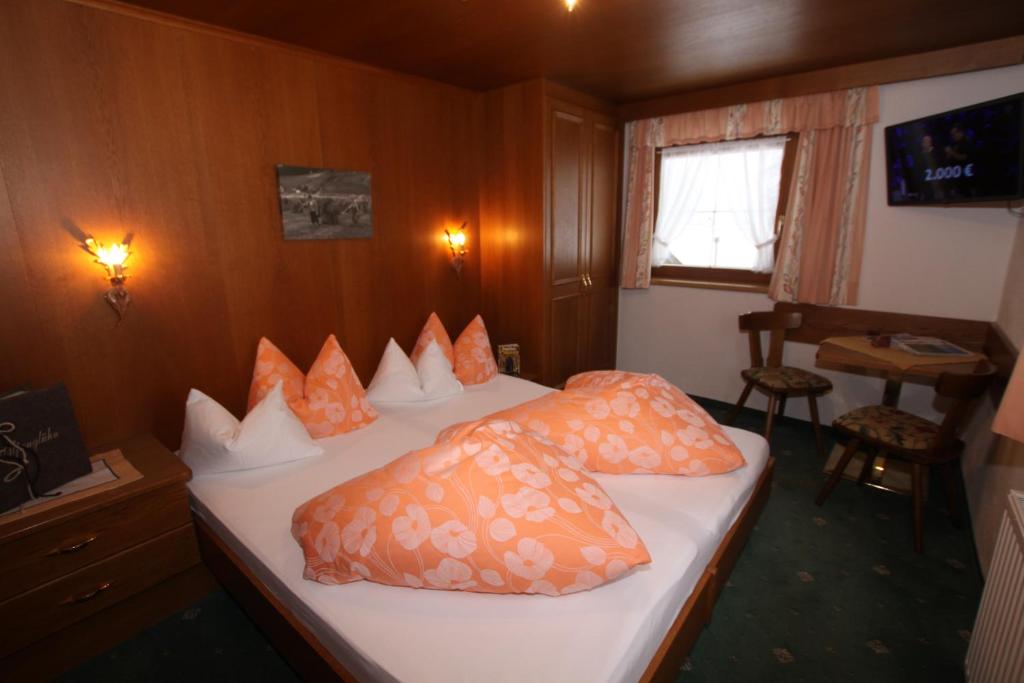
x=308, y=656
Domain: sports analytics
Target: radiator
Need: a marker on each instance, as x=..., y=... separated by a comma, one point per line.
x=996, y=652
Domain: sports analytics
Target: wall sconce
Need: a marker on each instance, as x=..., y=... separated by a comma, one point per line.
x=457, y=245
x=113, y=258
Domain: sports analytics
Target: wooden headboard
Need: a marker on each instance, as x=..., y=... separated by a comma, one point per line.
x=172, y=131
x=822, y=322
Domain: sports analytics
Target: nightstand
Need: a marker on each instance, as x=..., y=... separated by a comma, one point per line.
x=83, y=576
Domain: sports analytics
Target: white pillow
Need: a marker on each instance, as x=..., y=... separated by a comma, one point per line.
x=436, y=375
x=214, y=440
x=397, y=380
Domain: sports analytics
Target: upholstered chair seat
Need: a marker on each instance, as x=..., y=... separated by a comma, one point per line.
x=889, y=428
x=787, y=380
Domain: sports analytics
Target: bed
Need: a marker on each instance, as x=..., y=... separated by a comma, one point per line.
x=639, y=627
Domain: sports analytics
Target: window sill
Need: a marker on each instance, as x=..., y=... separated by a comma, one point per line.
x=708, y=284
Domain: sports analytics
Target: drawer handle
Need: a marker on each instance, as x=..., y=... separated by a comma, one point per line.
x=85, y=597
x=67, y=550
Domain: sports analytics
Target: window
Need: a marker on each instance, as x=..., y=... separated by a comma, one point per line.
x=718, y=211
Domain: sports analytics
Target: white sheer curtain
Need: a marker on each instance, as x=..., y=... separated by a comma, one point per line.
x=684, y=180
x=756, y=189
x=727, y=189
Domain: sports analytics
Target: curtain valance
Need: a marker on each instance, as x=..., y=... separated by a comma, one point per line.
x=819, y=259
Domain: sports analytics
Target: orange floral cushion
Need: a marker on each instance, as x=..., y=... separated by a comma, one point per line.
x=329, y=399
x=625, y=423
x=474, y=360
x=433, y=330
x=496, y=510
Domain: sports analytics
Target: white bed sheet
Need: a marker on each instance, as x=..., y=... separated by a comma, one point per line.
x=385, y=633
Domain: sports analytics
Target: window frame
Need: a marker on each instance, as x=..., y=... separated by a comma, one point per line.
x=726, y=278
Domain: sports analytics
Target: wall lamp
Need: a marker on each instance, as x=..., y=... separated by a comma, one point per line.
x=113, y=258
x=457, y=245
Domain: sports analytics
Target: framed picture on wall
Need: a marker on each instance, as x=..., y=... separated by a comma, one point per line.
x=321, y=204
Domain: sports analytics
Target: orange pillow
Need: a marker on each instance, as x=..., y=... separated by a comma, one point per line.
x=497, y=510
x=433, y=330
x=474, y=360
x=329, y=399
x=624, y=423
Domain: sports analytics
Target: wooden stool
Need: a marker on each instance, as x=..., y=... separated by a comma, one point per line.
x=922, y=442
x=774, y=379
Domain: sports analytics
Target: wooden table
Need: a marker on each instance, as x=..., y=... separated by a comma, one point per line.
x=834, y=357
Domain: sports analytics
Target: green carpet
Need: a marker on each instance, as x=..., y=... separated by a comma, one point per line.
x=819, y=594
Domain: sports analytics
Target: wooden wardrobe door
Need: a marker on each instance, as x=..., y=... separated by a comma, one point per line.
x=603, y=242
x=567, y=192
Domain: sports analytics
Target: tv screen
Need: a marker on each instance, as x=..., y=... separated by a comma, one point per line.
x=973, y=154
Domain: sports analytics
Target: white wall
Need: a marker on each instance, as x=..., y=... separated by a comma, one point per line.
x=992, y=464
x=927, y=260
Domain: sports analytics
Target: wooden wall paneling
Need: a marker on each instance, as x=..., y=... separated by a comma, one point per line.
x=425, y=137
x=156, y=195
x=122, y=123
x=247, y=108
x=33, y=165
x=96, y=128
x=345, y=103
x=603, y=245
x=512, y=242
x=22, y=326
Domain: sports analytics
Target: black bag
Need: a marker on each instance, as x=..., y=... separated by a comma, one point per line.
x=40, y=445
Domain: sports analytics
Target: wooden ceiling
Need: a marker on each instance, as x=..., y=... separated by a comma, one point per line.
x=622, y=50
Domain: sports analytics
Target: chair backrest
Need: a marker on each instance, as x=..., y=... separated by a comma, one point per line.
x=963, y=388
x=776, y=323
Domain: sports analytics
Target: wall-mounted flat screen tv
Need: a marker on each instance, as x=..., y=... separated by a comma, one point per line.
x=972, y=154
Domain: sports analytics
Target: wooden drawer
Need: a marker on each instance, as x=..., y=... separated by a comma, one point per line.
x=27, y=618
x=63, y=548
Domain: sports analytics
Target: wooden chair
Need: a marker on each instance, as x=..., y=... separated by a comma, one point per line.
x=922, y=442
x=770, y=377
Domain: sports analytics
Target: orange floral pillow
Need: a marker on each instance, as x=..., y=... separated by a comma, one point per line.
x=623, y=423
x=329, y=399
x=497, y=510
x=474, y=360
x=433, y=330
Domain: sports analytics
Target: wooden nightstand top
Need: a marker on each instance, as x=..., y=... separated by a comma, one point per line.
x=159, y=468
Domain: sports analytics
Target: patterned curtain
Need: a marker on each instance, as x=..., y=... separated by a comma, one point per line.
x=823, y=234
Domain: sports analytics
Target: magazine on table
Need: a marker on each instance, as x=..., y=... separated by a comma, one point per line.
x=927, y=346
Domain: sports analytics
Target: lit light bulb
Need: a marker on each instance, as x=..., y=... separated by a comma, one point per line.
x=571, y=4
x=459, y=239
x=114, y=255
